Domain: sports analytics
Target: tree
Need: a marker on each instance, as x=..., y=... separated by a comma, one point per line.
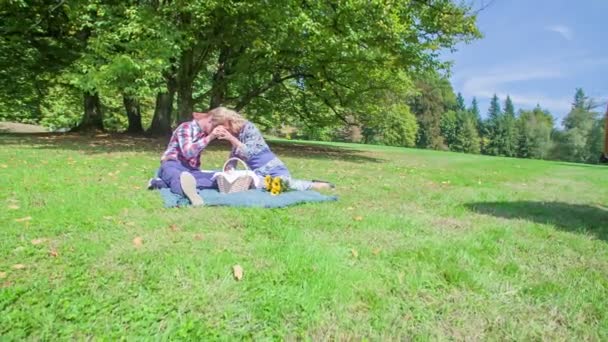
x=37, y=41
x=596, y=141
x=492, y=126
x=466, y=139
x=534, y=133
x=474, y=111
x=246, y=55
x=573, y=143
x=434, y=99
x=500, y=129
x=509, y=130
x=581, y=101
x=449, y=128
x=337, y=55
x=460, y=102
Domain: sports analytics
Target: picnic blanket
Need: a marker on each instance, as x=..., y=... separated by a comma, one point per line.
x=255, y=198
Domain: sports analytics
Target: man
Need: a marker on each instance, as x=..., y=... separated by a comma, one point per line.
x=180, y=164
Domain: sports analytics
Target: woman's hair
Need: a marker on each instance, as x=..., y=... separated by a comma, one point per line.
x=226, y=117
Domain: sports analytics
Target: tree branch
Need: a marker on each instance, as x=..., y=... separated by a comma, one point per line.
x=247, y=98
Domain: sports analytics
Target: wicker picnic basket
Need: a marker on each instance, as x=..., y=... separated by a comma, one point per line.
x=241, y=183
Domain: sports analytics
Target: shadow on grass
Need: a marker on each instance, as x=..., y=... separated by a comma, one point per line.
x=580, y=164
x=106, y=143
x=565, y=216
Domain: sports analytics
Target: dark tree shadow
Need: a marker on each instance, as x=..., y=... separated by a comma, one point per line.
x=105, y=142
x=565, y=216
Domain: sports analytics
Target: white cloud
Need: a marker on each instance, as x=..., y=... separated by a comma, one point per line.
x=490, y=81
x=486, y=84
x=562, y=30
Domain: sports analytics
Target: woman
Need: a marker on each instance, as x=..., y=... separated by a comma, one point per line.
x=249, y=145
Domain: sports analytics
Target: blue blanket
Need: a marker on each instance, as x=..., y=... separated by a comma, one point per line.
x=250, y=198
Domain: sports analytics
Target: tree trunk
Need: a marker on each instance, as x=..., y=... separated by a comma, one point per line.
x=93, y=115
x=219, y=86
x=133, y=114
x=185, y=81
x=161, y=122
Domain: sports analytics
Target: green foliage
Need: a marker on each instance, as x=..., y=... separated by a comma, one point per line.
x=449, y=127
x=435, y=98
x=474, y=110
x=466, y=137
x=398, y=127
x=578, y=141
x=535, y=129
x=460, y=131
x=501, y=129
x=248, y=55
x=460, y=102
x=581, y=101
x=61, y=108
x=595, y=142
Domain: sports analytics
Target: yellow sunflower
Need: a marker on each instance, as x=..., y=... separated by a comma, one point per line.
x=276, y=186
x=276, y=182
x=268, y=182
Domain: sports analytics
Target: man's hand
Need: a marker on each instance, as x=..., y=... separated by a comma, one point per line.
x=223, y=134
x=219, y=132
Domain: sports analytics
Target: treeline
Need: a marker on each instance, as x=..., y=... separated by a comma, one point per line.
x=363, y=71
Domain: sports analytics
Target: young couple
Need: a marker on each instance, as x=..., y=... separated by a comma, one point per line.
x=180, y=164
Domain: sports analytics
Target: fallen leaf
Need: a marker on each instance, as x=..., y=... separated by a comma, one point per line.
x=107, y=218
x=237, y=271
x=138, y=242
x=23, y=219
x=4, y=166
x=18, y=267
x=174, y=228
x=2, y=275
x=6, y=284
x=38, y=241
x=354, y=253
x=13, y=207
x=53, y=253
x=376, y=251
x=198, y=237
x=130, y=224
x=350, y=208
x=358, y=218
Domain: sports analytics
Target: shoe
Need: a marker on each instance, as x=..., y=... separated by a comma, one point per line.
x=188, y=183
x=155, y=183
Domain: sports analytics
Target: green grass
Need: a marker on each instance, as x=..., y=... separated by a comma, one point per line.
x=422, y=244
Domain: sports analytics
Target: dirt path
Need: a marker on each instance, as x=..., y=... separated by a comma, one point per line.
x=14, y=127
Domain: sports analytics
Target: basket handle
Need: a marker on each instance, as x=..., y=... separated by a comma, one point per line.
x=233, y=159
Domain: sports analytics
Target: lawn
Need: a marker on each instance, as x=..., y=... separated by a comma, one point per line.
x=421, y=244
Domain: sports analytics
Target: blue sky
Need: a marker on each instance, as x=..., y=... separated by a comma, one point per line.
x=537, y=51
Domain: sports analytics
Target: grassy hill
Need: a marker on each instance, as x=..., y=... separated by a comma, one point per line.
x=421, y=244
